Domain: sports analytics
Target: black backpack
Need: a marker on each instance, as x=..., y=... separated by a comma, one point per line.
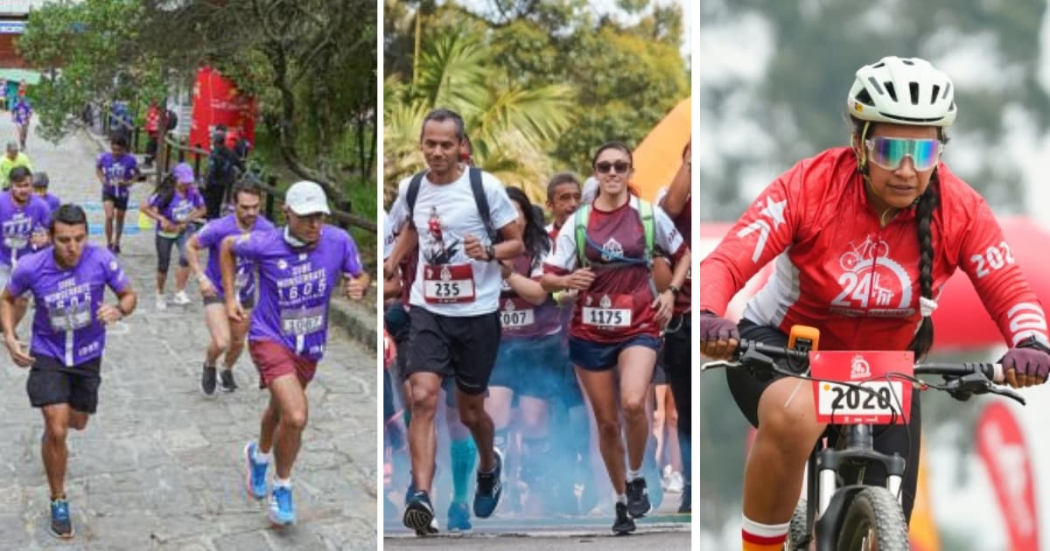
x=480, y=199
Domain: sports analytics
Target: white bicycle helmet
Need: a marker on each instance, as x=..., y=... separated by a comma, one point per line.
x=902, y=91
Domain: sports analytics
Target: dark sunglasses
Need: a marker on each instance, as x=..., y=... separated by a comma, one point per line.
x=619, y=166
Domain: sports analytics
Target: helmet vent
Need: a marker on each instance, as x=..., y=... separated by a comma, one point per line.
x=933, y=96
x=890, y=90
x=875, y=84
x=907, y=62
x=913, y=87
x=947, y=88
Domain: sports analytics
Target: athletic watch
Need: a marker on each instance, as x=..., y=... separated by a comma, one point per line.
x=674, y=290
x=490, y=250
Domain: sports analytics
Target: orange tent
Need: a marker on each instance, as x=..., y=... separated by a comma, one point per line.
x=659, y=155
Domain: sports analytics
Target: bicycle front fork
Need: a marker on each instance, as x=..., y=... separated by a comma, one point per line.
x=859, y=450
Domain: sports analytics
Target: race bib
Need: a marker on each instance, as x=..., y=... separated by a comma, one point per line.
x=16, y=232
x=516, y=313
x=67, y=318
x=297, y=323
x=611, y=311
x=182, y=212
x=448, y=284
x=855, y=389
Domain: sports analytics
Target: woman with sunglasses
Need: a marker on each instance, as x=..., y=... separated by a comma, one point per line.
x=864, y=237
x=618, y=316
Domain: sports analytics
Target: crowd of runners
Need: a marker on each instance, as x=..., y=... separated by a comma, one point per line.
x=263, y=287
x=538, y=353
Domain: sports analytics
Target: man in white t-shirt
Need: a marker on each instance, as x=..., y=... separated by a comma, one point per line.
x=454, y=322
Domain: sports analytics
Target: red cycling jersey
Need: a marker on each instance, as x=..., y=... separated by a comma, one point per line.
x=837, y=269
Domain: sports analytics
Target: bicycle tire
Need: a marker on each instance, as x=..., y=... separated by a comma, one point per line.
x=873, y=511
x=797, y=532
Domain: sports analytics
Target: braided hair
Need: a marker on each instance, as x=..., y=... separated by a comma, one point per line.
x=925, y=206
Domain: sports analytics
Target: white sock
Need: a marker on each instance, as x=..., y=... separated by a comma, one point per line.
x=622, y=498
x=765, y=530
x=260, y=458
x=633, y=475
x=282, y=483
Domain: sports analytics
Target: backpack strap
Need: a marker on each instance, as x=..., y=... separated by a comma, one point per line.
x=580, y=219
x=645, y=212
x=413, y=191
x=482, y=202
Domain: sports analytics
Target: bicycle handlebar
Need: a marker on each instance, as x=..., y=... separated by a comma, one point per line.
x=961, y=380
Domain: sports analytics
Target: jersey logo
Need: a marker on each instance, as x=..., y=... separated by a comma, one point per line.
x=774, y=210
x=611, y=250
x=871, y=281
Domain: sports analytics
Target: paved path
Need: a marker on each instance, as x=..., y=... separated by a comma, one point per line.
x=159, y=466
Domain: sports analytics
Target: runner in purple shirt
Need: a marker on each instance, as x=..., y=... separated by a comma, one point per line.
x=177, y=207
x=24, y=219
x=226, y=336
x=40, y=185
x=299, y=267
x=68, y=282
x=116, y=171
x=22, y=115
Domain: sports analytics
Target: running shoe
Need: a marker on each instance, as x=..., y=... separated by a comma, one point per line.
x=181, y=299
x=637, y=498
x=255, y=473
x=161, y=303
x=686, y=505
x=116, y=248
x=419, y=515
x=675, y=482
x=208, y=380
x=61, y=526
x=282, y=510
x=489, y=488
x=624, y=524
x=458, y=517
x=226, y=377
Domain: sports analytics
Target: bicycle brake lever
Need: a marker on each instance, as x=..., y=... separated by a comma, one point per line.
x=1008, y=392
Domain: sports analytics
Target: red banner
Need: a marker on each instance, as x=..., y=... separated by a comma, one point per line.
x=216, y=101
x=1002, y=448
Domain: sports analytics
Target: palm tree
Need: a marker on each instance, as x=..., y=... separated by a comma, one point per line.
x=512, y=129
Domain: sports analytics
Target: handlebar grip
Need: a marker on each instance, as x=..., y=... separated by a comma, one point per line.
x=776, y=352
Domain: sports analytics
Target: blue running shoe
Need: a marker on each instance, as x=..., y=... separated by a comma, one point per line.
x=419, y=515
x=489, y=489
x=458, y=517
x=282, y=510
x=255, y=473
x=61, y=526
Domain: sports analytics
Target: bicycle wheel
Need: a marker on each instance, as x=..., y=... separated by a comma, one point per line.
x=874, y=520
x=797, y=532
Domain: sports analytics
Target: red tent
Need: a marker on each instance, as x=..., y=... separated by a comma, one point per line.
x=960, y=321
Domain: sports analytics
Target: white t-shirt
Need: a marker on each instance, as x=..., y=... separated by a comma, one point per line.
x=443, y=216
x=395, y=222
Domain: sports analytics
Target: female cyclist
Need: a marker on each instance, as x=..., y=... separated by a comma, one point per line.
x=618, y=315
x=905, y=223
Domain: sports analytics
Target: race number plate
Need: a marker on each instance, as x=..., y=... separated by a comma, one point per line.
x=516, y=313
x=448, y=284
x=869, y=398
x=299, y=323
x=611, y=311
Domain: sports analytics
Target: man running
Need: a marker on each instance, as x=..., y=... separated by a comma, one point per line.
x=226, y=336
x=12, y=158
x=68, y=282
x=24, y=219
x=299, y=266
x=40, y=184
x=22, y=115
x=456, y=211
x=116, y=171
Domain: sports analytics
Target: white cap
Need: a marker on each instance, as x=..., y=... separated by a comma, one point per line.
x=589, y=191
x=306, y=198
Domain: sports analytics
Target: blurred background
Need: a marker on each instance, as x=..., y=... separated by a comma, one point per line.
x=773, y=78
